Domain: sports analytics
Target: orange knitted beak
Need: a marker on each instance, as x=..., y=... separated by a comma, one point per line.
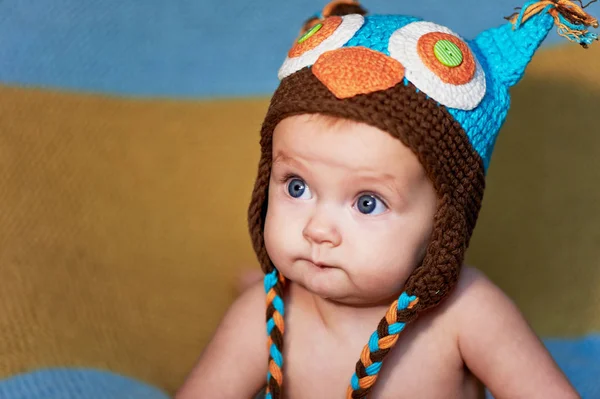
x=349, y=71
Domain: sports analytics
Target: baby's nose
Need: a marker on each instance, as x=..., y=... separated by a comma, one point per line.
x=320, y=230
x=349, y=71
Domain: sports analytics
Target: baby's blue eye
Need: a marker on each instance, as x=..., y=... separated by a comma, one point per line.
x=297, y=188
x=370, y=205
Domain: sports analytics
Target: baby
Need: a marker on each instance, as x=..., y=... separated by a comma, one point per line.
x=375, y=149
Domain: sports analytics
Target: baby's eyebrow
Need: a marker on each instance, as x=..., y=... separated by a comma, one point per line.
x=281, y=157
x=385, y=179
x=376, y=177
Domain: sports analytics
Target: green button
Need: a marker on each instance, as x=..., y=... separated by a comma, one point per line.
x=311, y=32
x=448, y=53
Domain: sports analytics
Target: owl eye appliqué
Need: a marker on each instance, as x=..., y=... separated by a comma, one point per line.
x=330, y=34
x=440, y=64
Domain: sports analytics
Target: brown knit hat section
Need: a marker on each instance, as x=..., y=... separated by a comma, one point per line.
x=427, y=128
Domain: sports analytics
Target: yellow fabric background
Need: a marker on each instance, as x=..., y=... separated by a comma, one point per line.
x=122, y=221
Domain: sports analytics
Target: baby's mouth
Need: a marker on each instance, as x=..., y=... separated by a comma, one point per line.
x=320, y=264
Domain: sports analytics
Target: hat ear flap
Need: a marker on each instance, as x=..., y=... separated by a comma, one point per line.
x=257, y=209
x=437, y=275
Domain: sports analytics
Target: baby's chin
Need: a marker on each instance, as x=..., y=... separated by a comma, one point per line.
x=344, y=295
x=338, y=285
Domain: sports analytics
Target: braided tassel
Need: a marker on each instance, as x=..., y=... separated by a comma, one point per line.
x=571, y=19
x=379, y=345
x=273, y=284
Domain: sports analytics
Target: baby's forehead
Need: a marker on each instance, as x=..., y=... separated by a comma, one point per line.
x=317, y=139
x=325, y=120
x=330, y=121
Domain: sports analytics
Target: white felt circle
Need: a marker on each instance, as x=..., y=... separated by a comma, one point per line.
x=403, y=47
x=350, y=25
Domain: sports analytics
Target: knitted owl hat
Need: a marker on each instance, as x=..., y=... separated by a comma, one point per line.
x=442, y=96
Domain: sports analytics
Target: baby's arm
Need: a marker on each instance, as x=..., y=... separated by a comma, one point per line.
x=500, y=348
x=234, y=363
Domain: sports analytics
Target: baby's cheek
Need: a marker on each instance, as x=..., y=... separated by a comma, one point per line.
x=281, y=235
x=385, y=279
x=274, y=237
x=382, y=264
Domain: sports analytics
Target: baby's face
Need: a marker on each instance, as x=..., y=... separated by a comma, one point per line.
x=350, y=209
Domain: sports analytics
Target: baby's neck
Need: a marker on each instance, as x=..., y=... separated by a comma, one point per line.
x=340, y=318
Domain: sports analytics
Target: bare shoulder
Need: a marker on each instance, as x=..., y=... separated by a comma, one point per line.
x=498, y=345
x=251, y=302
x=246, y=312
x=475, y=292
x=472, y=278
x=247, y=315
x=478, y=304
x=477, y=307
x=238, y=347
